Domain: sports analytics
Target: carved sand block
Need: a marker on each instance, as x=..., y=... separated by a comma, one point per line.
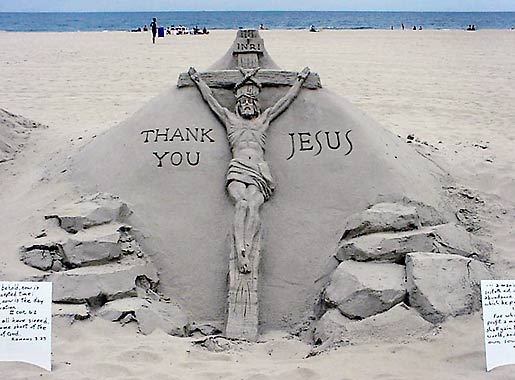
x=249, y=181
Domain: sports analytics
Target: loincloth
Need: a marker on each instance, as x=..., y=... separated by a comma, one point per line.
x=250, y=173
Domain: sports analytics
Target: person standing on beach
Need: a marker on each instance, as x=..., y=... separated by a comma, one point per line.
x=153, y=25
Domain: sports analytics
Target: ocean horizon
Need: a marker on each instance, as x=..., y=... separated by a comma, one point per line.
x=124, y=21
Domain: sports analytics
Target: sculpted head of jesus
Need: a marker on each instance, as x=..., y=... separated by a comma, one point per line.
x=247, y=107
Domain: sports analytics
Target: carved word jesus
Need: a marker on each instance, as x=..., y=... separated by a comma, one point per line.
x=316, y=142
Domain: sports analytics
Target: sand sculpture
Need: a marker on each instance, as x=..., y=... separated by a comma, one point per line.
x=249, y=180
x=359, y=239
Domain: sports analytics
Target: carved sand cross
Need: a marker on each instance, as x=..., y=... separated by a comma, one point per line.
x=249, y=180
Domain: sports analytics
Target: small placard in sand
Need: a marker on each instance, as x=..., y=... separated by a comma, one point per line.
x=26, y=322
x=499, y=322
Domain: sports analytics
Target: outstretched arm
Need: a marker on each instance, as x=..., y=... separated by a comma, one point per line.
x=283, y=103
x=207, y=94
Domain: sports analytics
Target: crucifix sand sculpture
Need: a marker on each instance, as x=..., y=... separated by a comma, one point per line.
x=249, y=180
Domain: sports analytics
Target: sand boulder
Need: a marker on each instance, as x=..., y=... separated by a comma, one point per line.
x=331, y=328
x=400, y=324
x=91, y=248
x=41, y=256
x=164, y=316
x=393, y=247
x=149, y=314
x=99, y=284
x=403, y=215
x=74, y=312
x=91, y=211
x=381, y=217
x=360, y=290
x=95, y=246
x=443, y=285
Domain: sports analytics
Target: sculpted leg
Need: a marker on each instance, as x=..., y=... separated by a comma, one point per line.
x=253, y=221
x=237, y=191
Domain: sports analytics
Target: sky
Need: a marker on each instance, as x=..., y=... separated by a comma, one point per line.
x=219, y=5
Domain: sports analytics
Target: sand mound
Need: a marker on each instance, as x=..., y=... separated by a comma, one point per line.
x=14, y=131
x=329, y=160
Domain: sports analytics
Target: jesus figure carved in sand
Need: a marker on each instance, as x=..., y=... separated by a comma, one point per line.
x=249, y=181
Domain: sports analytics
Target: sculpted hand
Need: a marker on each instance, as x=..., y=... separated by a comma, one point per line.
x=304, y=73
x=194, y=75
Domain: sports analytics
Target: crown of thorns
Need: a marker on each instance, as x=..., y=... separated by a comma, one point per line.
x=250, y=92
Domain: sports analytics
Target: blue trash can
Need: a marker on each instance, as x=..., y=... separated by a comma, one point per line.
x=161, y=31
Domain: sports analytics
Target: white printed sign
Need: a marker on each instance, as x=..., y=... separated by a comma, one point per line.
x=498, y=299
x=26, y=322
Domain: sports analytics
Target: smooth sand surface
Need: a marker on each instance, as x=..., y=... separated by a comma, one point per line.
x=451, y=89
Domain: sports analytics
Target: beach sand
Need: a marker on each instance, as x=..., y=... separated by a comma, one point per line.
x=452, y=90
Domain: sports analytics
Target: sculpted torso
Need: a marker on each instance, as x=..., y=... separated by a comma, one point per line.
x=247, y=137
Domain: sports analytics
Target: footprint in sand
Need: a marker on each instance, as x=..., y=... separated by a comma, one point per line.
x=164, y=376
x=111, y=371
x=215, y=375
x=258, y=376
x=300, y=374
x=138, y=356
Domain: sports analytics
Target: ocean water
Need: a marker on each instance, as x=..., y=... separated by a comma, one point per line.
x=71, y=22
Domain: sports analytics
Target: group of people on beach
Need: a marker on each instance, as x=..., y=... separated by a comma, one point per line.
x=180, y=29
x=403, y=27
x=172, y=29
